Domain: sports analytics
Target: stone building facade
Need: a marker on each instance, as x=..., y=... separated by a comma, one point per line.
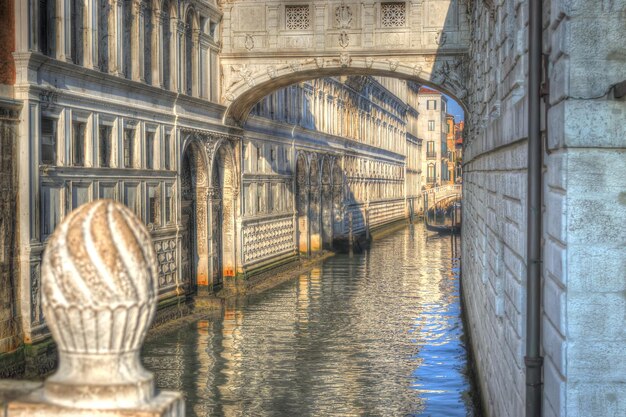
x=432, y=123
x=121, y=101
x=583, y=306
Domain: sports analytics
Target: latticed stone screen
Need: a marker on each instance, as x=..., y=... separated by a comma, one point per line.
x=298, y=17
x=393, y=15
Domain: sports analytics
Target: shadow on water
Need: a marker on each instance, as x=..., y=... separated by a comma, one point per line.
x=379, y=333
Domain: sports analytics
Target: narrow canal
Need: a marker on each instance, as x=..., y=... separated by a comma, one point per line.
x=376, y=334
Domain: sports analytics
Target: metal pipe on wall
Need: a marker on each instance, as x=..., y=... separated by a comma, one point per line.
x=533, y=359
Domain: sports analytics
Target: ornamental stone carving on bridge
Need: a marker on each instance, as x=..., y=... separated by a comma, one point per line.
x=416, y=33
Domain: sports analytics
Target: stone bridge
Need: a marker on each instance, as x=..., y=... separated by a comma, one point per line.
x=268, y=45
x=434, y=195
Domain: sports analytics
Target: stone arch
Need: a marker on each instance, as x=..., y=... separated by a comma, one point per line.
x=194, y=184
x=326, y=204
x=223, y=201
x=248, y=84
x=302, y=204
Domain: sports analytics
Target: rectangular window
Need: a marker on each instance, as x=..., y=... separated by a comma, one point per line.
x=50, y=209
x=131, y=198
x=107, y=191
x=129, y=147
x=430, y=146
x=78, y=143
x=152, y=205
x=297, y=17
x=80, y=195
x=150, y=150
x=431, y=125
x=392, y=15
x=48, y=141
x=167, y=155
x=273, y=159
x=260, y=198
x=105, y=146
x=431, y=104
x=259, y=159
x=169, y=203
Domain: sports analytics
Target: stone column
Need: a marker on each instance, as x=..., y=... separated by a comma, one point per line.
x=62, y=31
x=118, y=68
x=202, y=238
x=90, y=35
x=195, y=66
x=112, y=42
x=136, y=52
x=157, y=46
x=177, y=66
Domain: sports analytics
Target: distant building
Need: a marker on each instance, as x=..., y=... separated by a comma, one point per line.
x=459, y=132
x=432, y=106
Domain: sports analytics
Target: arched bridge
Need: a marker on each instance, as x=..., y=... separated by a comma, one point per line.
x=268, y=45
x=437, y=194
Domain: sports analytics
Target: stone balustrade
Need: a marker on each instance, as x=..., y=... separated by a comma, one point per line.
x=99, y=278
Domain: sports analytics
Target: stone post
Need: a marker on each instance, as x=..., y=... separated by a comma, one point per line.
x=99, y=279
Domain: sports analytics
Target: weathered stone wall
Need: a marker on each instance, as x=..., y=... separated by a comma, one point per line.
x=583, y=224
x=10, y=328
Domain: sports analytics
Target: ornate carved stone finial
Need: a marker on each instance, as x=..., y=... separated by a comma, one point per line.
x=99, y=278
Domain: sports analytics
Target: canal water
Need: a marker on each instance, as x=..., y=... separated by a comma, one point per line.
x=375, y=334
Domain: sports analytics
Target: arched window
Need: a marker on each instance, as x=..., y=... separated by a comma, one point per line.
x=46, y=27
x=188, y=54
x=76, y=37
x=165, y=53
x=103, y=34
x=127, y=13
x=147, y=42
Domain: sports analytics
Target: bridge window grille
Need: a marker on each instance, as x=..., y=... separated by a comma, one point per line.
x=393, y=15
x=297, y=17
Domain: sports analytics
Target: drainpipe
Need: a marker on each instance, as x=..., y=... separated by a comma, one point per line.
x=533, y=359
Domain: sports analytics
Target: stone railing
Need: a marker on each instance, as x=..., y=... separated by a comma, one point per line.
x=99, y=278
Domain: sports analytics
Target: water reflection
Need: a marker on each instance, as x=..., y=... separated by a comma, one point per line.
x=373, y=334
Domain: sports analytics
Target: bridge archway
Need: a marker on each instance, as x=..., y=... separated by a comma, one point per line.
x=444, y=73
